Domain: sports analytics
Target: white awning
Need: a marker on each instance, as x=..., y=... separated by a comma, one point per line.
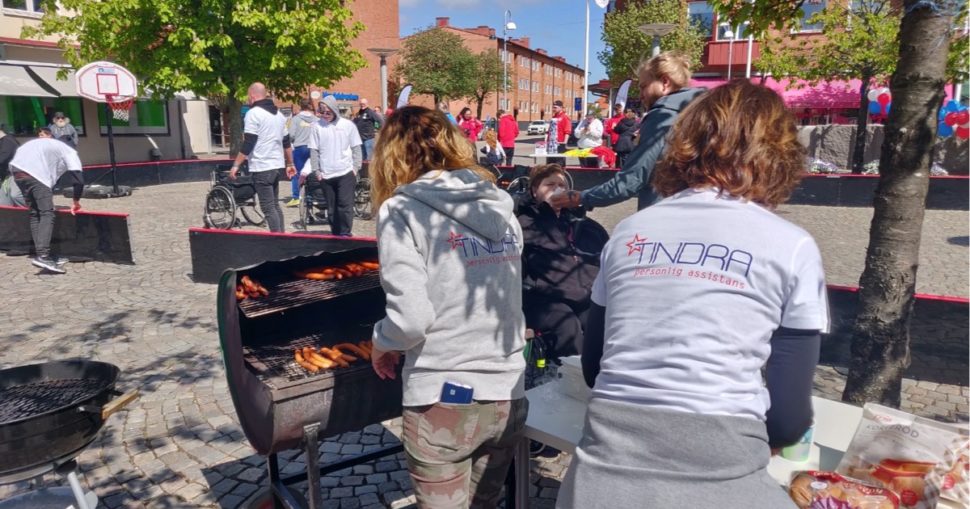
x=14, y=80
x=67, y=88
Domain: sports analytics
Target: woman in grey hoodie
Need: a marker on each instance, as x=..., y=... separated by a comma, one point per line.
x=449, y=247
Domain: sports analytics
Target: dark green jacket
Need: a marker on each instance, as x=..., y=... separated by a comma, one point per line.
x=634, y=178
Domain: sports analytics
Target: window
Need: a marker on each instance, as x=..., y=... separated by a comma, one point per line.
x=147, y=116
x=535, y=86
x=740, y=31
x=548, y=89
x=809, y=8
x=523, y=62
x=23, y=115
x=24, y=5
x=702, y=16
x=557, y=91
x=535, y=108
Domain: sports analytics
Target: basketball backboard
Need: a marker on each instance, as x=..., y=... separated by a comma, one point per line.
x=98, y=80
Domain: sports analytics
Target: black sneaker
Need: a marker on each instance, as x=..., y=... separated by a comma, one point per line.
x=47, y=264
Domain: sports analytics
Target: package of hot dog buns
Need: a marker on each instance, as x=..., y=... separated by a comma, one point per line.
x=828, y=490
x=915, y=457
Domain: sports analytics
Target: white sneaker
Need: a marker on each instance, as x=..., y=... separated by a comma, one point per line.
x=47, y=264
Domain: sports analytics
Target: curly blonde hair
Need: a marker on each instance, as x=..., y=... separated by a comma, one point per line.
x=414, y=141
x=738, y=138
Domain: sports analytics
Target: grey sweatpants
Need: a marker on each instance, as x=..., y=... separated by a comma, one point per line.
x=636, y=456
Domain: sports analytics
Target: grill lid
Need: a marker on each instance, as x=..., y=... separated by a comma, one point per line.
x=28, y=400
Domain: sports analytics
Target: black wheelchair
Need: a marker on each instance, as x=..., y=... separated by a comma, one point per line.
x=313, y=201
x=226, y=197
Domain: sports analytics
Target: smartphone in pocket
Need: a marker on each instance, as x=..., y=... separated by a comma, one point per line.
x=456, y=394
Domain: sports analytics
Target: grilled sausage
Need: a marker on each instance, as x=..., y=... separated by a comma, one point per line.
x=362, y=353
x=370, y=265
x=335, y=356
x=240, y=293
x=298, y=357
x=314, y=358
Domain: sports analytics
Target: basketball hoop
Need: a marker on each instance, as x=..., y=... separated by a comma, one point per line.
x=120, y=106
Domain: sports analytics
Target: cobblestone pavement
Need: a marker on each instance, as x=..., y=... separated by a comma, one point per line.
x=179, y=444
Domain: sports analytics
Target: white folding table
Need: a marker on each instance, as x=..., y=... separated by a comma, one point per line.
x=557, y=420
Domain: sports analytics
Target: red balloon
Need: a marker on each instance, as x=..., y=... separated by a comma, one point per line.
x=884, y=99
x=963, y=132
x=950, y=118
x=962, y=117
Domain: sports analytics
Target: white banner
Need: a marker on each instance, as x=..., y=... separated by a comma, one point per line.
x=621, y=95
x=402, y=99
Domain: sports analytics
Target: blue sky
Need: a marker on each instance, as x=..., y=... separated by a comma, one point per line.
x=554, y=25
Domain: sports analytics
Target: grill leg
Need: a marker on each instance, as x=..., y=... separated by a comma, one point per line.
x=79, y=497
x=282, y=498
x=310, y=433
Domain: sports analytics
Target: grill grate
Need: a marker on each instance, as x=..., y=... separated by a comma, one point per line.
x=300, y=292
x=274, y=362
x=28, y=400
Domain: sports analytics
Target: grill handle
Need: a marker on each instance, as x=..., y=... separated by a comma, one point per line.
x=112, y=406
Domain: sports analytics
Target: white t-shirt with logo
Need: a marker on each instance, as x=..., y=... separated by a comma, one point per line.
x=694, y=286
x=269, y=129
x=333, y=141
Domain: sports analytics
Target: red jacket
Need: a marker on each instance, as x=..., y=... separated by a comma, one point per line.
x=471, y=128
x=608, y=127
x=508, y=131
x=563, y=127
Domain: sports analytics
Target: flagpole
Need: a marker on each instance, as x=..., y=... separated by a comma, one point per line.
x=586, y=64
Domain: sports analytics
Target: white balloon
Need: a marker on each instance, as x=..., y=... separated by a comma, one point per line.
x=873, y=94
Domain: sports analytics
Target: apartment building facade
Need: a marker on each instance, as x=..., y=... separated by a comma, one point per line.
x=536, y=78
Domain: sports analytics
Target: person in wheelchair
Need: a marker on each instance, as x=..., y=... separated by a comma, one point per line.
x=560, y=260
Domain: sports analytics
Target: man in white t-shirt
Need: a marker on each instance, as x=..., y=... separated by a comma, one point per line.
x=335, y=159
x=266, y=144
x=35, y=168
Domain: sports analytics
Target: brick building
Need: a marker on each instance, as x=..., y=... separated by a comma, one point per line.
x=382, y=27
x=536, y=78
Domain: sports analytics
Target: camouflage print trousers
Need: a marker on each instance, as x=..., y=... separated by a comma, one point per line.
x=458, y=455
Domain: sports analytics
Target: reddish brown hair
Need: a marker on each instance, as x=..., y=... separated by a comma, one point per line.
x=539, y=173
x=738, y=138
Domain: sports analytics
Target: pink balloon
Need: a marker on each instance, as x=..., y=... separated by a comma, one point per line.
x=950, y=118
x=963, y=133
x=884, y=99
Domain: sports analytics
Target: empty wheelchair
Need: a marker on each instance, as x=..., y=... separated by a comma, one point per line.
x=226, y=197
x=313, y=203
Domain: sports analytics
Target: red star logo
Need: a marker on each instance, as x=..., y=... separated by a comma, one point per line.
x=635, y=245
x=456, y=240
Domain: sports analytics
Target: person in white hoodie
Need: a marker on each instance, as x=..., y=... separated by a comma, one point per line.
x=335, y=157
x=449, y=248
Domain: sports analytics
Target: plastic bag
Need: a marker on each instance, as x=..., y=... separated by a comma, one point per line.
x=827, y=490
x=900, y=451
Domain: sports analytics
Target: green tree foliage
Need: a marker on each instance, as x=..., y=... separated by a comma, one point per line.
x=437, y=63
x=858, y=42
x=215, y=48
x=626, y=45
x=488, y=77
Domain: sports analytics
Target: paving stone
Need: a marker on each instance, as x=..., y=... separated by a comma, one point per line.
x=251, y=474
x=349, y=503
x=376, y=478
x=342, y=492
x=367, y=488
x=352, y=480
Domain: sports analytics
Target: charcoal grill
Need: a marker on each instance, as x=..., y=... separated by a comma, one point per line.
x=282, y=406
x=49, y=413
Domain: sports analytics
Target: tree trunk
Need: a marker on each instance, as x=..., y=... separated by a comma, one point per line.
x=880, y=342
x=481, y=102
x=234, y=117
x=862, y=122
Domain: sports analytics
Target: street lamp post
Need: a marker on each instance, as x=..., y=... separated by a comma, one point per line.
x=383, y=53
x=507, y=26
x=657, y=30
x=730, y=36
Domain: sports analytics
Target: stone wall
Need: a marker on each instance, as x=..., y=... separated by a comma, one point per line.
x=833, y=143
